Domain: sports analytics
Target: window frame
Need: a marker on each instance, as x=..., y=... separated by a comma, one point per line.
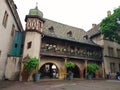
x=29, y=45
x=5, y=19
x=13, y=30
x=112, y=67
x=118, y=53
x=111, y=51
x=69, y=34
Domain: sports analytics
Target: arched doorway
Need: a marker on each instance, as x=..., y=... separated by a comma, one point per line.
x=75, y=71
x=49, y=70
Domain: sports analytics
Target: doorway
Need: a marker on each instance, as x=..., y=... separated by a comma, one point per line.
x=49, y=70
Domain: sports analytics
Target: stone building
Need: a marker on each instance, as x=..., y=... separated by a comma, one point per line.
x=111, y=51
x=55, y=44
x=9, y=25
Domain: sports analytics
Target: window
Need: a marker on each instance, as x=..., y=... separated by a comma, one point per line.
x=29, y=44
x=51, y=29
x=5, y=19
x=85, y=37
x=13, y=29
x=110, y=51
x=16, y=45
x=22, y=46
x=69, y=34
x=112, y=67
x=118, y=53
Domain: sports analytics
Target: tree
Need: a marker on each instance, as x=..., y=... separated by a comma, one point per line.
x=110, y=26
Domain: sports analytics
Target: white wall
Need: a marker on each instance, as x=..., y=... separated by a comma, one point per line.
x=12, y=68
x=34, y=51
x=5, y=35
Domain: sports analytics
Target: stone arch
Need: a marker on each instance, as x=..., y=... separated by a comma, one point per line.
x=76, y=70
x=81, y=69
x=52, y=63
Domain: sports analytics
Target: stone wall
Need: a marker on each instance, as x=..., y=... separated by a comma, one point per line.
x=12, y=68
x=106, y=57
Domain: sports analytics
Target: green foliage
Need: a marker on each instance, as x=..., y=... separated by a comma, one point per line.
x=110, y=28
x=31, y=64
x=69, y=64
x=91, y=68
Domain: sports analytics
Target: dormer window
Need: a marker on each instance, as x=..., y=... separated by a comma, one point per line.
x=69, y=34
x=85, y=37
x=51, y=29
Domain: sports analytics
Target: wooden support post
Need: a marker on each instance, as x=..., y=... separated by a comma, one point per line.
x=81, y=74
x=86, y=62
x=65, y=71
x=103, y=72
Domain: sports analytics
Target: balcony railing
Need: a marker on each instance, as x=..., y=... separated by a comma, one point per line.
x=72, y=54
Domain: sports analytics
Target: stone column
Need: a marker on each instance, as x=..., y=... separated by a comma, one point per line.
x=86, y=62
x=103, y=72
x=81, y=74
x=96, y=74
x=65, y=71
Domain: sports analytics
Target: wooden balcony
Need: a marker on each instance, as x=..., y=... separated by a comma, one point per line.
x=71, y=54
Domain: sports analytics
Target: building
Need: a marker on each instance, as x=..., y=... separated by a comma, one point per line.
x=111, y=51
x=55, y=44
x=9, y=25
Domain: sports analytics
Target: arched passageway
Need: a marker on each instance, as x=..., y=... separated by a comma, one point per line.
x=49, y=70
x=75, y=71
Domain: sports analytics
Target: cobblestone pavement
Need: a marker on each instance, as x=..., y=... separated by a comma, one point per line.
x=61, y=85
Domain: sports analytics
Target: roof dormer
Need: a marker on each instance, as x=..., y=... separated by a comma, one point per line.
x=69, y=34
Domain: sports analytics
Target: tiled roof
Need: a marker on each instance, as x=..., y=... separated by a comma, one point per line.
x=60, y=32
x=93, y=31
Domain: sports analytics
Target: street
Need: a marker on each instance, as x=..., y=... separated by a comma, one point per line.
x=61, y=85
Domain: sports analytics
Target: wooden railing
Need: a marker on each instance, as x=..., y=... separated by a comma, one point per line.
x=72, y=54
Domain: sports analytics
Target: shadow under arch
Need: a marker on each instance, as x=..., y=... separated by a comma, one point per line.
x=76, y=71
x=49, y=70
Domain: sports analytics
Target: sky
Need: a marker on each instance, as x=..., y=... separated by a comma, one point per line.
x=76, y=13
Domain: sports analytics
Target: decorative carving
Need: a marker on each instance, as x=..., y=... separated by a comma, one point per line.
x=34, y=24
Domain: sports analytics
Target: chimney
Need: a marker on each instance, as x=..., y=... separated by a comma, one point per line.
x=108, y=13
x=94, y=25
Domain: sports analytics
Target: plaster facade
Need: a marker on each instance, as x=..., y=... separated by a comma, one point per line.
x=6, y=39
x=108, y=59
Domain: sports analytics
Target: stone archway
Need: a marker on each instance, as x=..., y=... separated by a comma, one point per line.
x=80, y=71
x=75, y=71
x=49, y=70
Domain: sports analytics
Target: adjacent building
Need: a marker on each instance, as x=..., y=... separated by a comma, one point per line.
x=111, y=51
x=9, y=25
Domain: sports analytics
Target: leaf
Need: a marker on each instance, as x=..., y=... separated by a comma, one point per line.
x=109, y=26
x=31, y=64
x=70, y=64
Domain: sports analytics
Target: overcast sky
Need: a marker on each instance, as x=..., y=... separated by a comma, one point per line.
x=77, y=13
